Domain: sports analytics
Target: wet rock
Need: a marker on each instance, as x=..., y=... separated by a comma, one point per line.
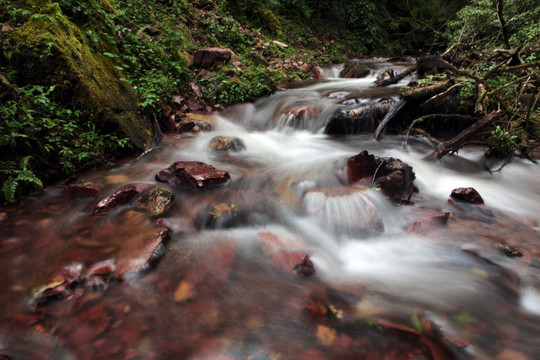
x=356, y=121
x=355, y=70
x=142, y=252
x=294, y=262
x=192, y=174
x=348, y=210
x=429, y=220
x=210, y=56
x=221, y=216
x=194, y=123
x=120, y=197
x=156, y=201
x=103, y=269
x=467, y=194
x=305, y=268
x=394, y=177
x=387, y=74
x=508, y=250
x=226, y=143
x=183, y=292
x=81, y=190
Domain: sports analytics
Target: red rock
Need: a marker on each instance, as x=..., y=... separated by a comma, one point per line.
x=467, y=194
x=120, y=197
x=192, y=174
x=72, y=273
x=81, y=190
x=292, y=261
x=210, y=56
x=103, y=269
x=394, y=177
x=305, y=268
x=142, y=252
x=316, y=72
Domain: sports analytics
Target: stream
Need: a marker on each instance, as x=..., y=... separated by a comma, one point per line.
x=287, y=259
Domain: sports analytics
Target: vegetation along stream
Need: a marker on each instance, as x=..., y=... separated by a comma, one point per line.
x=264, y=231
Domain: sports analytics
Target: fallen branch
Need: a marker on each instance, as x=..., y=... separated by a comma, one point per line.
x=421, y=94
x=457, y=142
x=438, y=99
x=397, y=78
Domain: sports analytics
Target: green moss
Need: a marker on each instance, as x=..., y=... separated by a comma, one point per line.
x=49, y=49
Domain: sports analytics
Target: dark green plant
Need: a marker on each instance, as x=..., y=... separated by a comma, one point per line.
x=16, y=177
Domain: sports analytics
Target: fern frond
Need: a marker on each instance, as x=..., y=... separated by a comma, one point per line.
x=9, y=188
x=30, y=177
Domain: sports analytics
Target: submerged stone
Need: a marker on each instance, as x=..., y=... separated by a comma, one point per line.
x=347, y=210
x=81, y=190
x=192, y=174
x=156, y=201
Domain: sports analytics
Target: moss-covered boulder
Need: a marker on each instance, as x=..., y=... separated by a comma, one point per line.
x=48, y=48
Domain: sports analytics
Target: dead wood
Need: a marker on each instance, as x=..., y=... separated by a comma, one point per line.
x=424, y=93
x=457, y=142
x=397, y=78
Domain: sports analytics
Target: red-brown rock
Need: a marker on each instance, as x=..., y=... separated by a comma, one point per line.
x=305, y=268
x=81, y=190
x=394, y=177
x=120, y=197
x=467, y=194
x=142, y=253
x=210, y=56
x=192, y=174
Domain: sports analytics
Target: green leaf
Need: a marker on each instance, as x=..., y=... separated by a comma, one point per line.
x=108, y=54
x=416, y=323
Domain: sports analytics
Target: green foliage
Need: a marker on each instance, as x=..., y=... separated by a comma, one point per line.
x=501, y=142
x=39, y=124
x=477, y=24
x=16, y=176
x=242, y=86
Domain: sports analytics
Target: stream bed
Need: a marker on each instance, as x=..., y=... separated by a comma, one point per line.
x=287, y=259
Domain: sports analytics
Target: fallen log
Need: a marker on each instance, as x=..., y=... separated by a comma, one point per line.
x=424, y=93
x=397, y=78
x=457, y=142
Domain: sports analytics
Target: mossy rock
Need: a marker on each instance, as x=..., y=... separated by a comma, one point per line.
x=49, y=49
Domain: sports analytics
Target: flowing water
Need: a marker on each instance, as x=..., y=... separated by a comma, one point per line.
x=389, y=283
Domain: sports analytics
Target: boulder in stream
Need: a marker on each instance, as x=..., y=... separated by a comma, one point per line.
x=361, y=119
x=354, y=69
x=193, y=174
x=156, y=201
x=120, y=197
x=393, y=176
x=226, y=143
x=194, y=123
x=81, y=190
x=469, y=195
